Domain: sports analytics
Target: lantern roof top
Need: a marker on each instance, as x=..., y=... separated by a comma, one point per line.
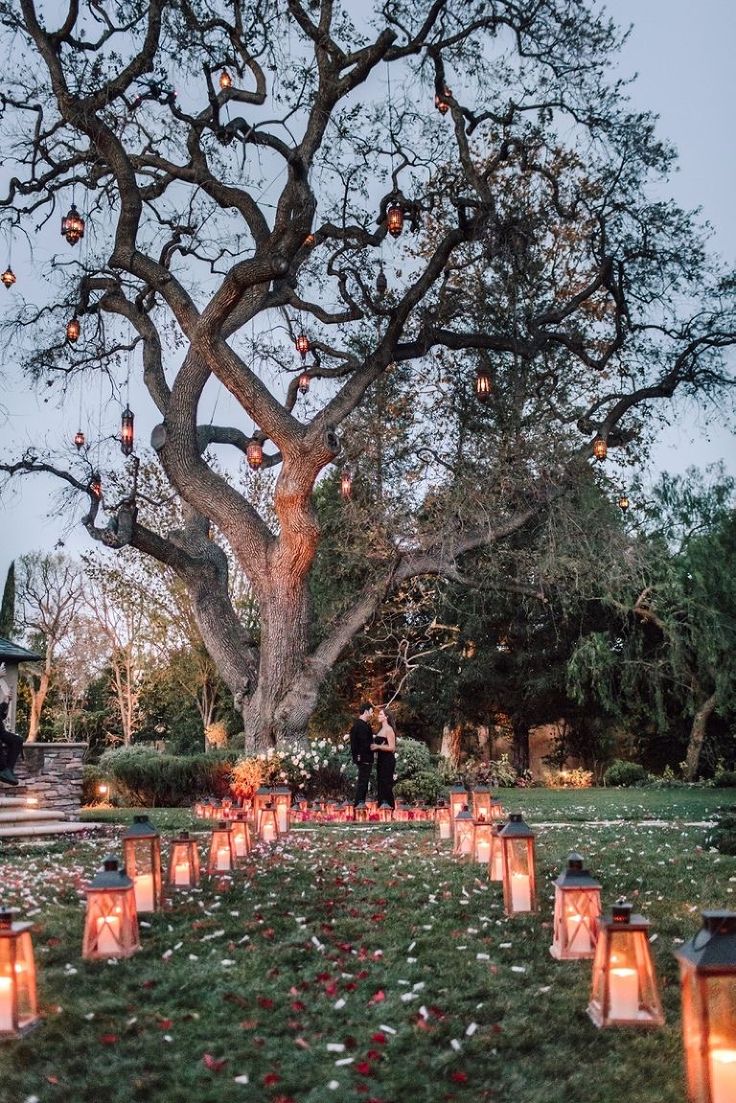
x=464, y=813
x=110, y=877
x=141, y=828
x=516, y=828
x=574, y=876
x=263, y=789
x=281, y=789
x=714, y=946
x=458, y=789
x=623, y=917
x=14, y=653
x=481, y=789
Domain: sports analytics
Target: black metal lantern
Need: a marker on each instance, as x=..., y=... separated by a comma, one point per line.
x=126, y=431
x=346, y=485
x=226, y=81
x=302, y=345
x=483, y=385
x=72, y=226
x=600, y=448
x=79, y=440
x=254, y=454
x=73, y=329
x=381, y=283
x=95, y=485
x=8, y=277
x=623, y=501
x=395, y=219
x=303, y=383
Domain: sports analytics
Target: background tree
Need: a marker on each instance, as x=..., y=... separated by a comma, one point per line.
x=559, y=276
x=7, y=608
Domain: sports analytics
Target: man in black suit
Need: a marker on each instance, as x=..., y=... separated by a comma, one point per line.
x=361, y=737
x=10, y=747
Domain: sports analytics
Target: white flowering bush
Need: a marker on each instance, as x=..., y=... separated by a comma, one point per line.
x=322, y=768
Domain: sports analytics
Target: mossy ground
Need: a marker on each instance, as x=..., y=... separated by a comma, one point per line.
x=354, y=965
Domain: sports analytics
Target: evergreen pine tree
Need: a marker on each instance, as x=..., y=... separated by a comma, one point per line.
x=7, y=609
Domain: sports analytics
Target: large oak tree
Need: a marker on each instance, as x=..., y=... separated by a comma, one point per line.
x=237, y=163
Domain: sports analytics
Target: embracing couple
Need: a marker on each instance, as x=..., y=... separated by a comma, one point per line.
x=363, y=743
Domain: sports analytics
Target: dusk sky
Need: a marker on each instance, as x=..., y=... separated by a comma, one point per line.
x=683, y=57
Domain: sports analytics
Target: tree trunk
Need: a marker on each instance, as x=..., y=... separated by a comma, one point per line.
x=697, y=737
x=451, y=742
x=484, y=742
x=38, y=699
x=520, y=751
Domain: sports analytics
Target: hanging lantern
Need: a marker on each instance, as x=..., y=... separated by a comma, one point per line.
x=127, y=435
x=482, y=836
x=79, y=440
x=577, y=908
x=241, y=834
x=268, y=824
x=310, y=241
x=254, y=454
x=464, y=831
x=442, y=822
x=708, y=988
x=183, y=871
x=483, y=385
x=600, y=448
x=480, y=796
x=303, y=383
x=282, y=802
x=303, y=345
x=624, y=990
x=72, y=226
x=111, y=922
x=18, y=1002
x=222, y=854
x=8, y=277
x=440, y=101
x=623, y=501
x=73, y=329
x=226, y=81
x=470, y=649
x=381, y=283
x=519, y=868
x=94, y=486
x=142, y=858
x=458, y=799
x=346, y=485
x=495, y=862
x=395, y=219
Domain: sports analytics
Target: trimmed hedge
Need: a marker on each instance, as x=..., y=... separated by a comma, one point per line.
x=626, y=774
x=143, y=778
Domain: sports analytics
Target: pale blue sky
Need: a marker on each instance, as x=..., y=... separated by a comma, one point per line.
x=683, y=56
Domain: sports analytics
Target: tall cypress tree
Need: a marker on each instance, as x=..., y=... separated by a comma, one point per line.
x=7, y=609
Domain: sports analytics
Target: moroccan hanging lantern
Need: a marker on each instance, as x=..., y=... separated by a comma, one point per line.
x=94, y=486
x=482, y=837
x=381, y=283
x=72, y=226
x=241, y=834
x=303, y=345
x=222, y=856
x=442, y=824
x=483, y=385
x=79, y=440
x=18, y=1001
x=127, y=435
x=395, y=219
x=268, y=824
x=73, y=329
x=440, y=101
x=458, y=798
x=183, y=870
x=480, y=796
x=600, y=448
x=303, y=382
x=346, y=485
x=624, y=989
x=226, y=81
x=111, y=922
x=254, y=454
x=519, y=867
x=623, y=501
x=708, y=989
x=8, y=277
x=142, y=858
x=464, y=831
x=577, y=908
x=281, y=799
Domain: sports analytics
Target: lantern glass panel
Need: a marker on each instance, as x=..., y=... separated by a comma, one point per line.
x=183, y=869
x=495, y=862
x=222, y=854
x=442, y=824
x=268, y=824
x=709, y=1033
x=519, y=888
x=624, y=990
x=142, y=859
x=241, y=835
x=481, y=803
x=575, y=922
x=464, y=833
x=482, y=841
x=18, y=1004
x=282, y=801
x=111, y=922
x=458, y=798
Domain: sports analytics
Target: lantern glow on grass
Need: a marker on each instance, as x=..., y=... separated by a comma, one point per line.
x=624, y=989
x=222, y=855
x=708, y=988
x=519, y=866
x=183, y=872
x=18, y=1002
x=464, y=832
x=577, y=908
x=142, y=859
x=111, y=923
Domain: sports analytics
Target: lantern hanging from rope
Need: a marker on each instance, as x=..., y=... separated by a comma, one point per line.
x=79, y=440
x=381, y=283
x=254, y=454
x=127, y=435
x=346, y=485
x=623, y=501
x=8, y=277
x=73, y=329
x=600, y=448
x=395, y=219
x=226, y=81
x=440, y=101
x=95, y=485
x=303, y=383
x=483, y=385
x=302, y=345
x=72, y=226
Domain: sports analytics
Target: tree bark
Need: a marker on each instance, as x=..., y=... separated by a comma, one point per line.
x=38, y=699
x=697, y=737
x=520, y=751
x=484, y=742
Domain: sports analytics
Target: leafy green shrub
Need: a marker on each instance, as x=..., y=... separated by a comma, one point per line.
x=92, y=778
x=725, y=779
x=625, y=774
x=412, y=758
x=498, y=773
x=722, y=834
x=142, y=777
x=425, y=787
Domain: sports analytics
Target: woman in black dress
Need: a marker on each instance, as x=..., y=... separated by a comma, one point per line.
x=384, y=743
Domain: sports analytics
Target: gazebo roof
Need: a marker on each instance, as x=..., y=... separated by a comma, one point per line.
x=12, y=652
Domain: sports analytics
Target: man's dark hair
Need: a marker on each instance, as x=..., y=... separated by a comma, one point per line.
x=365, y=705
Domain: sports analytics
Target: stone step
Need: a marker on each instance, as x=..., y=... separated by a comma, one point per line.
x=26, y=831
x=27, y=815
x=12, y=802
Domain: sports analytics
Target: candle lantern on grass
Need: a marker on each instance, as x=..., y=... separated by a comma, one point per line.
x=458, y=801
x=222, y=849
x=371, y=807
x=111, y=923
x=495, y=862
x=261, y=797
x=142, y=858
x=241, y=834
x=18, y=1003
x=624, y=990
x=577, y=908
x=498, y=812
x=481, y=802
x=482, y=837
x=519, y=866
x=464, y=831
x=708, y=985
x=268, y=824
x=360, y=813
x=442, y=822
x=385, y=812
x=281, y=799
x=183, y=871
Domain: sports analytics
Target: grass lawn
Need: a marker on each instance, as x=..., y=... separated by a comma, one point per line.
x=357, y=965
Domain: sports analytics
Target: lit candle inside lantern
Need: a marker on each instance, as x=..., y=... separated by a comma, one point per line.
x=240, y=850
x=181, y=873
x=483, y=851
x=466, y=844
x=144, y=892
x=497, y=865
x=445, y=829
x=268, y=832
x=723, y=1075
x=108, y=934
x=223, y=857
x=521, y=896
x=578, y=935
x=624, y=993
x=6, y=1005
x=283, y=819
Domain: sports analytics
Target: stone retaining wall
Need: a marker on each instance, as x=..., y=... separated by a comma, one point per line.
x=50, y=776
